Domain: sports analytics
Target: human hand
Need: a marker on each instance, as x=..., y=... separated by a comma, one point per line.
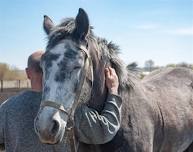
x=112, y=81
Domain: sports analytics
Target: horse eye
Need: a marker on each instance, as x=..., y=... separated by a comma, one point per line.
x=77, y=68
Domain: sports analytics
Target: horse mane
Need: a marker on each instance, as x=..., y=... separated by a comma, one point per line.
x=112, y=52
x=109, y=50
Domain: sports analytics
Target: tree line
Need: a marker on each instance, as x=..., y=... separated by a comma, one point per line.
x=11, y=73
x=149, y=66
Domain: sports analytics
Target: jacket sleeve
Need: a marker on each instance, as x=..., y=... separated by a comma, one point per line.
x=94, y=128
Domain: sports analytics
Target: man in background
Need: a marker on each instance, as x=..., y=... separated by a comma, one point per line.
x=18, y=112
x=34, y=72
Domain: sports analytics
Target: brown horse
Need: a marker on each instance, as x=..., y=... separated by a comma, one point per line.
x=157, y=112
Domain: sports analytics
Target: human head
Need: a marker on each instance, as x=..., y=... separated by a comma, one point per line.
x=34, y=71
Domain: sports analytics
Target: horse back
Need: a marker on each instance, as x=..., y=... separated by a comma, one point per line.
x=157, y=114
x=171, y=90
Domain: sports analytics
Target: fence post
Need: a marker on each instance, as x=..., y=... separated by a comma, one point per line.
x=19, y=84
x=27, y=84
x=1, y=85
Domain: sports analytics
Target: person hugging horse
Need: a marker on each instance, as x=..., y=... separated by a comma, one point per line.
x=17, y=115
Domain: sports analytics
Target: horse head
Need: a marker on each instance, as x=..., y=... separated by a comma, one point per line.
x=73, y=72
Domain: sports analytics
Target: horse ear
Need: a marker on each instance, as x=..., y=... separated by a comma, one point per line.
x=48, y=24
x=81, y=25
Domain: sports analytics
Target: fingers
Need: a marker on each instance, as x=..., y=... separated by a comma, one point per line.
x=107, y=72
x=111, y=79
x=112, y=71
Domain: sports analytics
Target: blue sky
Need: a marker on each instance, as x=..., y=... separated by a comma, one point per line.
x=161, y=30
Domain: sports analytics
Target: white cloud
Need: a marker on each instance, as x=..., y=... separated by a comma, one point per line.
x=182, y=31
x=187, y=31
x=149, y=26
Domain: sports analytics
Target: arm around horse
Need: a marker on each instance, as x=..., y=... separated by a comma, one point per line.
x=95, y=128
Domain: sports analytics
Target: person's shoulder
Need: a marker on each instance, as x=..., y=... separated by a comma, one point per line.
x=7, y=102
x=28, y=95
x=20, y=99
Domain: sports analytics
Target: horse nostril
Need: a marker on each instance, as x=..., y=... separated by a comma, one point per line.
x=55, y=127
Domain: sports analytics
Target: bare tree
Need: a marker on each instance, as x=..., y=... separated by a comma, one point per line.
x=132, y=66
x=149, y=64
x=3, y=70
x=11, y=73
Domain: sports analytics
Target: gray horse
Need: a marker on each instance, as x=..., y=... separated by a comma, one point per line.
x=157, y=112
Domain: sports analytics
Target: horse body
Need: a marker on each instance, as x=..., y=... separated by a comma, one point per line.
x=157, y=116
x=172, y=91
x=157, y=112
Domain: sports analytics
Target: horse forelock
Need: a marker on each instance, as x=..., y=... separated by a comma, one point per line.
x=60, y=32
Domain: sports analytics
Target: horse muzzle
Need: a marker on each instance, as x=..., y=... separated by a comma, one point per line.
x=49, y=126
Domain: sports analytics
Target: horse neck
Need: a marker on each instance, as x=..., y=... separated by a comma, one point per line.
x=99, y=90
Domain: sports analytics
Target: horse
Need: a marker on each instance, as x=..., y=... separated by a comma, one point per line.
x=157, y=111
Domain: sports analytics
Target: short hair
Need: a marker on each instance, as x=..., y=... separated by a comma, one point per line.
x=34, y=62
